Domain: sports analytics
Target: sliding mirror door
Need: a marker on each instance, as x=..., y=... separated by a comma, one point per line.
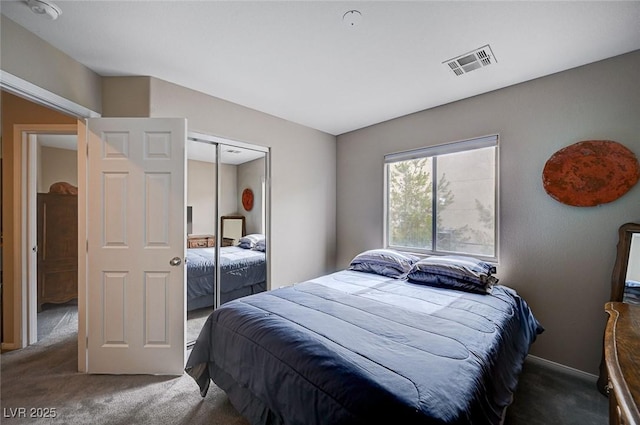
x=243, y=218
x=201, y=233
x=227, y=222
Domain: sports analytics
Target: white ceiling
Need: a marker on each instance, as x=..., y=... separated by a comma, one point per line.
x=233, y=155
x=59, y=141
x=300, y=62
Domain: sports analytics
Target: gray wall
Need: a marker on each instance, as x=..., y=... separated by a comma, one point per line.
x=303, y=175
x=27, y=56
x=201, y=196
x=228, y=189
x=56, y=165
x=559, y=257
x=250, y=176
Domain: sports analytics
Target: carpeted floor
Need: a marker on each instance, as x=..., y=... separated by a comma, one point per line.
x=44, y=376
x=195, y=322
x=548, y=396
x=57, y=316
x=61, y=315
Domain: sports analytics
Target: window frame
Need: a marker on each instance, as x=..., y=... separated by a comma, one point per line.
x=466, y=145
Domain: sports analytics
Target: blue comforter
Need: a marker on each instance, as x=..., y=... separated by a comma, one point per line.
x=238, y=267
x=358, y=348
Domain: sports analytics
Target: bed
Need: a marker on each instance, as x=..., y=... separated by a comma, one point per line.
x=242, y=272
x=358, y=347
x=632, y=291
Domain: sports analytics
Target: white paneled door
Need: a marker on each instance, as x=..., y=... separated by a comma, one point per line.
x=136, y=245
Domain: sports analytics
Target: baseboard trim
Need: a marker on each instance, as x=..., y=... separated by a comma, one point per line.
x=562, y=368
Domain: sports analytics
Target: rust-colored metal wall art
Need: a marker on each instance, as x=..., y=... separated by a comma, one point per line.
x=590, y=173
x=247, y=199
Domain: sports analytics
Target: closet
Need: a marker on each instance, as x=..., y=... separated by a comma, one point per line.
x=221, y=265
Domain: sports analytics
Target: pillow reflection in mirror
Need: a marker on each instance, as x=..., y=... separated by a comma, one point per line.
x=250, y=241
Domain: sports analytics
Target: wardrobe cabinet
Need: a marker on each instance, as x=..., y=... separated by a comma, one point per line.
x=57, y=248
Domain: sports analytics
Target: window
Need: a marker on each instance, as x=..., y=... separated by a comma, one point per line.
x=443, y=199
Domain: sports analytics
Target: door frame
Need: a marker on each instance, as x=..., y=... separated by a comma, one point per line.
x=20, y=87
x=25, y=186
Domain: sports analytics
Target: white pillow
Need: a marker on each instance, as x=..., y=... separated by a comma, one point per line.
x=250, y=241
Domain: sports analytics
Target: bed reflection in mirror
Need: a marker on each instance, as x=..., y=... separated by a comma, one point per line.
x=632, y=279
x=219, y=267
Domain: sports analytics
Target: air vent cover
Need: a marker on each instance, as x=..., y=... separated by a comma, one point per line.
x=481, y=57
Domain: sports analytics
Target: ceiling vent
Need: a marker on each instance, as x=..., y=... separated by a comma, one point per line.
x=468, y=62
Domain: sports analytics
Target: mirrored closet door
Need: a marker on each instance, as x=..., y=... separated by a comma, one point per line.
x=243, y=259
x=227, y=222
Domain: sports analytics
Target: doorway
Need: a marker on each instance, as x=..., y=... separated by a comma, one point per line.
x=52, y=233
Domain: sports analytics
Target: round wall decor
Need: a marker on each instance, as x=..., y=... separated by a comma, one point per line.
x=590, y=173
x=247, y=199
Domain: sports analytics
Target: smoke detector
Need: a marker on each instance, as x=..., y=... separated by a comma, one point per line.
x=45, y=8
x=352, y=18
x=479, y=58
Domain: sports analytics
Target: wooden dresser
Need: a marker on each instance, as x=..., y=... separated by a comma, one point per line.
x=201, y=241
x=622, y=357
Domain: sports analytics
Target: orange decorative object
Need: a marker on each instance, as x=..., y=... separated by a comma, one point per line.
x=247, y=199
x=63, y=188
x=590, y=173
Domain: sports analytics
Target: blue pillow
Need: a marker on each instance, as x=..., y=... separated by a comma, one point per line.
x=261, y=245
x=250, y=241
x=385, y=262
x=454, y=272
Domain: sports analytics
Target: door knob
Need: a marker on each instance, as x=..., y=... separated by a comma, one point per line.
x=175, y=261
